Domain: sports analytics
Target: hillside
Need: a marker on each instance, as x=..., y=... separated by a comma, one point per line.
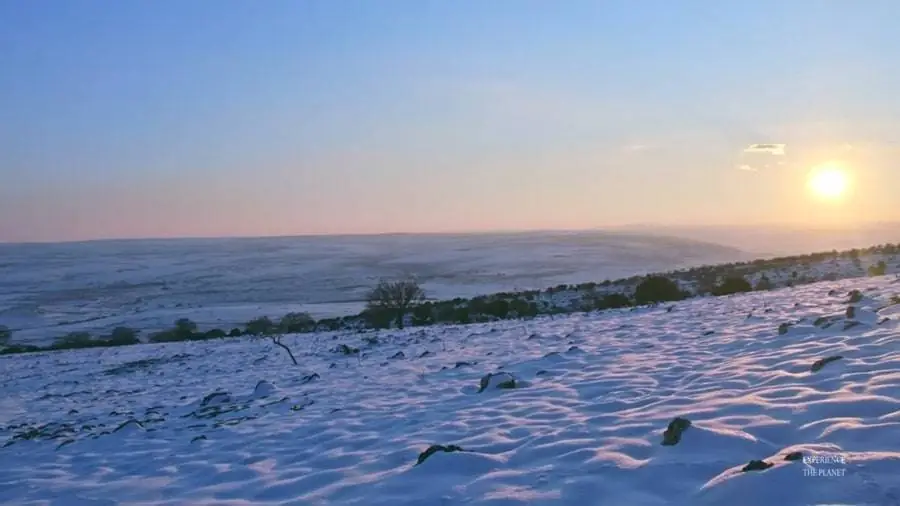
x=791, y=397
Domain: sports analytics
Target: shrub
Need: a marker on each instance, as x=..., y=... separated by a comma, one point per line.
x=657, y=289
x=214, y=334
x=732, y=285
x=613, y=301
x=446, y=312
x=261, y=326
x=374, y=318
x=20, y=348
x=293, y=323
x=122, y=336
x=75, y=340
x=423, y=315
x=235, y=332
x=329, y=324
x=5, y=335
x=185, y=329
x=523, y=308
x=879, y=269
x=461, y=315
x=395, y=298
x=497, y=308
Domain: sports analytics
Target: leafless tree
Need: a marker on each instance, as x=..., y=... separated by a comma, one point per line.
x=395, y=298
x=276, y=340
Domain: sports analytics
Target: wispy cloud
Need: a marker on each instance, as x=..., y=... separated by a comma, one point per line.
x=748, y=168
x=772, y=149
x=636, y=148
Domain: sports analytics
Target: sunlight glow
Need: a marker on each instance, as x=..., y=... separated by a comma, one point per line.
x=828, y=181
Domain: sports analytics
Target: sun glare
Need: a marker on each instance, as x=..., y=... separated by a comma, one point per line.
x=828, y=181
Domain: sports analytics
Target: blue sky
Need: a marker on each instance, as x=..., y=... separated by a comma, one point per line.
x=170, y=118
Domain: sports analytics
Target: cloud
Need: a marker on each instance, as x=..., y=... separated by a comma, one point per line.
x=637, y=148
x=772, y=149
x=748, y=168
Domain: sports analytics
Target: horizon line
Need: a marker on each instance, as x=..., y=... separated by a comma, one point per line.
x=501, y=231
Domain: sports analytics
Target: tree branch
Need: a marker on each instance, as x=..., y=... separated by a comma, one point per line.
x=277, y=341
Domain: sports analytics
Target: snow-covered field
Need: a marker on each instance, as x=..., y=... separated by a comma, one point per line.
x=584, y=425
x=49, y=290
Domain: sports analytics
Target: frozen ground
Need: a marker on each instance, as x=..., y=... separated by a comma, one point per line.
x=584, y=425
x=48, y=290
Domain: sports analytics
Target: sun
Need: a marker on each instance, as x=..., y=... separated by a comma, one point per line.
x=828, y=181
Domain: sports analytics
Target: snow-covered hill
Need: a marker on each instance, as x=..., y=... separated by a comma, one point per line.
x=230, y=422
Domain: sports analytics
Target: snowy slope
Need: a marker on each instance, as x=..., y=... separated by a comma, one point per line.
x=584, y=425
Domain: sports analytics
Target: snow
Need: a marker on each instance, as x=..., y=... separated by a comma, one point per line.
x=232, y=421
x=48, y=290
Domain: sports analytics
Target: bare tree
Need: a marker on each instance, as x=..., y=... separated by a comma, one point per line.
x=395, y=298
x=277, y=341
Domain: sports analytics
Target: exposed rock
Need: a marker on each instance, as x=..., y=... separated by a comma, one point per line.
x=756, y=465
x=216, y=398
x=264, y=389
x=793, y=456
x=850, y=324
x=129, y=426
x=500, y=380
x=398, y=355
x=672, y=435
x=308, y=378
x=346, y=350
x=822, y=362
x=437, y=448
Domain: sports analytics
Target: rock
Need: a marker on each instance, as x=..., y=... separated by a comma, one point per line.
x=425, y=353
x=198, y=438
x=822, y=362
x=129, y=426
x=437, y=448
x=463, y=364
x=756, y=465
x=793, y=456
x=398, y=355
x=346, y=350
x=304, y=404
x=850, y=324
x=308, y=378
x=216, y=398
x=264, y=389
x=500, y=380
x=709, y=332
x=885, y=320
x=672, y=435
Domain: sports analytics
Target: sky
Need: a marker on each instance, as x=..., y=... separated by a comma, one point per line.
x=207, y=118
